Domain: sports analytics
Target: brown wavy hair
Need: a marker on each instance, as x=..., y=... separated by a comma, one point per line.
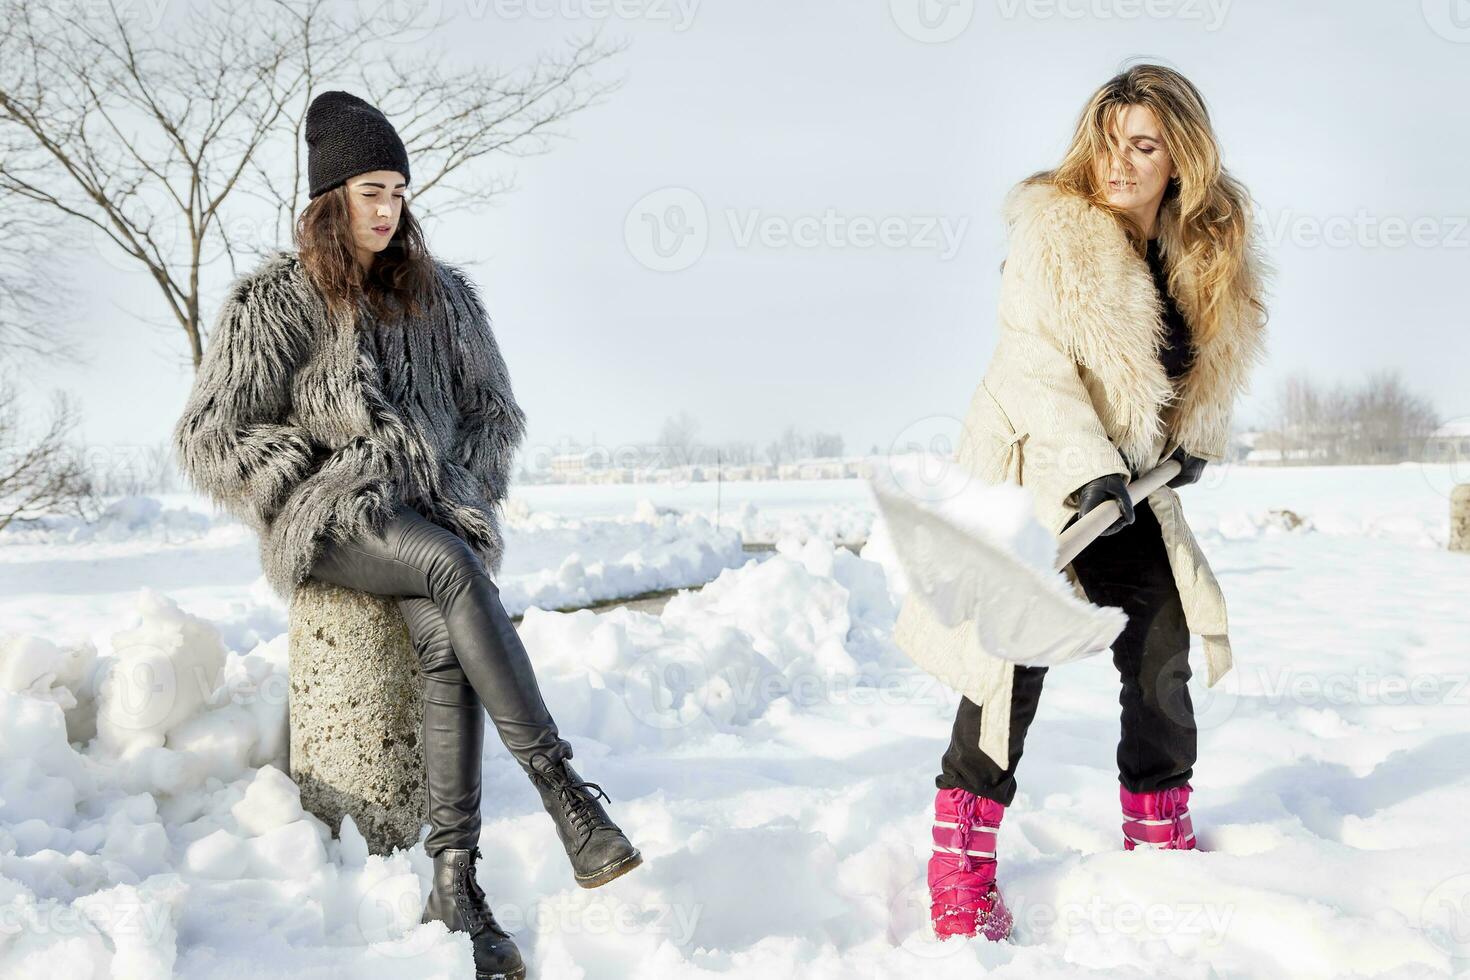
x=399, y=279
x=1208, y=209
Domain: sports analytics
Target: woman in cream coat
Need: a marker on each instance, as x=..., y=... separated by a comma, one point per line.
x=1140, y=236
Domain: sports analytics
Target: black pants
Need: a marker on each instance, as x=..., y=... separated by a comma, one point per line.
x=1157, y=745
x=470, y=655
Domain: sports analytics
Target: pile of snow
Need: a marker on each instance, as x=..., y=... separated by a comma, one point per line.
x=841, y=524
x=143, y=798
x=716, y=661
x=144, y=795
x=555, y=562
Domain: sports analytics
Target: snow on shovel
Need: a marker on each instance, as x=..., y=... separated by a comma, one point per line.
x=976, y=555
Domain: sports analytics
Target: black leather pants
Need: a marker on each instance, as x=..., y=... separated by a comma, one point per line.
x=1157, y=743
x=470, y=655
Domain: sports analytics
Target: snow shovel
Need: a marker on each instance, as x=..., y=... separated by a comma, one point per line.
x=975, y=554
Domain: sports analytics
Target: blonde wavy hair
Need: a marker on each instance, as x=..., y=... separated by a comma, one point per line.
x=1208, y=210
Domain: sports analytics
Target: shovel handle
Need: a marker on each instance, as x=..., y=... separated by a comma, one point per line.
x=1093, y=523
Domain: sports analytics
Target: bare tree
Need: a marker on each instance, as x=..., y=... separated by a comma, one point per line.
x=677, y=439
x=1308, y=421
x=826, y=444
x=32, y=303
x=1390, y=422
x=156, y=139
x=40, y=473
x=738, y=452
x=1378, y=421
x=794, y=445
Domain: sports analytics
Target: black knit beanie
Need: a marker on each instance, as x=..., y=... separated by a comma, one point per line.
x=346, y=136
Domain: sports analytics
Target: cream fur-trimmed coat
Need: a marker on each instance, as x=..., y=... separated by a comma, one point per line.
x=1074, y=391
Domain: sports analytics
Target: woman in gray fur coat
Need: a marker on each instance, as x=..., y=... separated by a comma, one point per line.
x=354, y=409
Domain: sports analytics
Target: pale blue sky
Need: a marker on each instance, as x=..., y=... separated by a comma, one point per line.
x=1341, y=114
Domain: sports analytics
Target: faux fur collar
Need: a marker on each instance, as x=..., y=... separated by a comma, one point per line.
x=1105, y=312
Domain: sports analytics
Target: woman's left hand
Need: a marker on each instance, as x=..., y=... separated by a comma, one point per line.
x=1190, y=468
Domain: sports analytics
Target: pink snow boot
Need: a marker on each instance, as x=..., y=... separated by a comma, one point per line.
x=1157, y=820
x=963, y=897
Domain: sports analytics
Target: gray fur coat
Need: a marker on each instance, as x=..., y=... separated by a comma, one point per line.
x=305, y=426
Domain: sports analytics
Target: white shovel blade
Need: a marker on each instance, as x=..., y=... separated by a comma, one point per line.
x=975, y=555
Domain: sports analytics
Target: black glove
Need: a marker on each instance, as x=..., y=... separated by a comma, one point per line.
x=1114, y=486
x=1190, y=468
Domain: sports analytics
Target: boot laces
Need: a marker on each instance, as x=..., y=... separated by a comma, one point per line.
x=476, y=909
x=965, y=817
x=579, y=806
x=1173, y=809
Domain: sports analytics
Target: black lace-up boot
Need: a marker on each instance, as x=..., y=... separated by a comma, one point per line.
x=458, y=901
x=596, y=847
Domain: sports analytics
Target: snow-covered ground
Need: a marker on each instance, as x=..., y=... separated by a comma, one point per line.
x=768, y=748
x=86, y=576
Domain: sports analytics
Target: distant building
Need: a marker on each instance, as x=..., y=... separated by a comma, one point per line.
x=1449, y=442
x=575, y=467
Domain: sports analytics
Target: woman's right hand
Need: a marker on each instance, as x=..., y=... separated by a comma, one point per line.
x=1114, y=486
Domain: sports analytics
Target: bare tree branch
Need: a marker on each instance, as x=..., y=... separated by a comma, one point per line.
x=157, y=142
x=40, y=474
